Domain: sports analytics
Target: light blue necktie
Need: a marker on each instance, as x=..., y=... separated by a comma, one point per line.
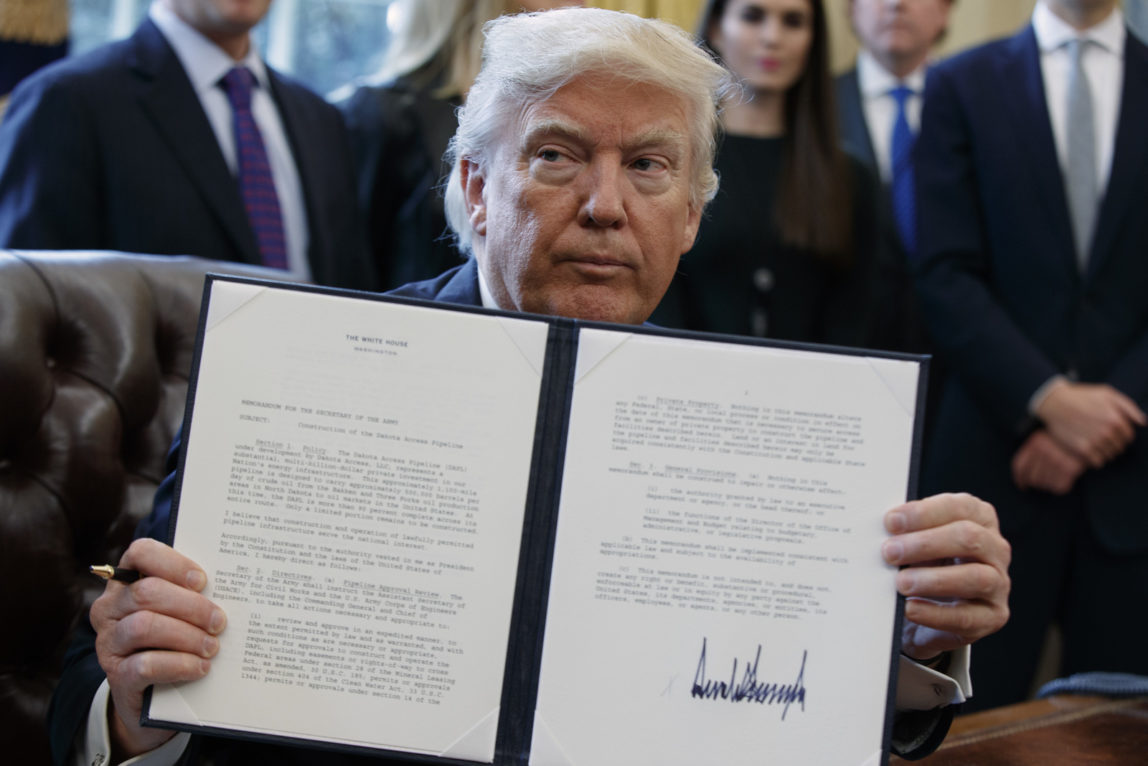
x=904, y=187
x=1080, y=177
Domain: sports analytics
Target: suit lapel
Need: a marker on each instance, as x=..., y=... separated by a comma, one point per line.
x=1129, y=154
x=1029, y=107
x=300, y=134
x=462, y=288
x=167, y=97
x=854, y=127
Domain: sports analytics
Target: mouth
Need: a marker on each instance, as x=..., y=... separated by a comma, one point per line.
x=769, y=64
x=597, y=266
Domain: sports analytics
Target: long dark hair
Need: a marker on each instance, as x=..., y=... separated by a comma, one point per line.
x=814, y=208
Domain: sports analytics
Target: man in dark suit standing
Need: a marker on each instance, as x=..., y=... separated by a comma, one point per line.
x=138, y=146
x=879, y=115
x=1031, y=170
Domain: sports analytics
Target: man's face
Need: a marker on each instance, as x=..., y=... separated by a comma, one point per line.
x=221, y=19
x=584, y=207
x=899, y=28
x=1091, y=11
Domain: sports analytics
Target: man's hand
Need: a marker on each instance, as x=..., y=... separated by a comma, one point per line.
x=158, y=629
x=1092, y=420
x=956, y=571
x=1041, y=463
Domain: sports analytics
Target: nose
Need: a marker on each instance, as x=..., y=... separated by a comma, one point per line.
x=604, y=196
x=769, y=29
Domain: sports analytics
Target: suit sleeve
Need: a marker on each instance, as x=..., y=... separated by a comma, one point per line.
x=49, y=166
x=82, y=674
x=993, y=358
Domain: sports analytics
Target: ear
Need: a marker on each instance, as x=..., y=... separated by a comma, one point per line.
x=474, y=192
x=693, y=221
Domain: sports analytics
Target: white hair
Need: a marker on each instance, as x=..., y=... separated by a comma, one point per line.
x=528, y=57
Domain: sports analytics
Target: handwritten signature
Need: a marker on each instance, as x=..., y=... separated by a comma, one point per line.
x=749, y=689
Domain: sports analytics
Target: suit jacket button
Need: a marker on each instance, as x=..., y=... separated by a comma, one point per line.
x=763, y=279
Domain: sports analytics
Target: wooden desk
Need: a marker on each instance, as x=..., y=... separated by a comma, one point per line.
x=1066, y=730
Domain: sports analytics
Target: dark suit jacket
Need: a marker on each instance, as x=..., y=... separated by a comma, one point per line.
x=896, y=319
x=399, y=133
x=1005, y=301
x=112, y=150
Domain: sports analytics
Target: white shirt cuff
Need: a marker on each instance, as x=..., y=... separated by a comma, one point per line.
x=1038, y=396
x=922, y=688
x=97, y=746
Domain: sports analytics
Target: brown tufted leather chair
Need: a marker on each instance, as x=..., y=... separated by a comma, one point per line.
x=95, y=350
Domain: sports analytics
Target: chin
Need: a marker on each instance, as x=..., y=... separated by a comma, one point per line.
x=591, y=305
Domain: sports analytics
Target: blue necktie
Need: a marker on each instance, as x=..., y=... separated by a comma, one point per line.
x=255, y=181
x=904, y=187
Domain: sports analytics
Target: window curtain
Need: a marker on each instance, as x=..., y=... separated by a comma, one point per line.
x=684, y=13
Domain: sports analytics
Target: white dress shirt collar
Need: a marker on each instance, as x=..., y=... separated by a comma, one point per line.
x=874, y=80
x=484, y=293
x=204, y=61
x=880, y=108
x=1052, y=31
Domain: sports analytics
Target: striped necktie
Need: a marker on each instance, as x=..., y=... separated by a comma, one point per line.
x=903, y=186
x=255, y=181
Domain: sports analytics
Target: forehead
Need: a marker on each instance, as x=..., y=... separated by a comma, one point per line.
x=606, y=110
x=772, y=6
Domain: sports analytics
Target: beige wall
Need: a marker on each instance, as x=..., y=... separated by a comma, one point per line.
x=972, y=22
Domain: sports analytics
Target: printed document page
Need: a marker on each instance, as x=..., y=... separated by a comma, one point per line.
x=357, y=503
x=718, y=593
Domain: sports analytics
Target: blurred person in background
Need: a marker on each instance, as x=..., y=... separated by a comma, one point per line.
x=786, y=250
x=401, y=120
x=879, y=114
x=1031, y=171
x=180, y=140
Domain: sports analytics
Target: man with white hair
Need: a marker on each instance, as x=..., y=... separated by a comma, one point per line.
x=581, y=166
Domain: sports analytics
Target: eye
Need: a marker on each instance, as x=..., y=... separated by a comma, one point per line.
x=647, y=164
x=549, y=155
x=794, y=19
x=752, y=14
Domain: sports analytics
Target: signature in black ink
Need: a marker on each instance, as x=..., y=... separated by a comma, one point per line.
x=749, y=689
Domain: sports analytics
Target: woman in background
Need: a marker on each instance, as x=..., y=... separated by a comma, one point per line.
x=400, y=124
x=786, y=249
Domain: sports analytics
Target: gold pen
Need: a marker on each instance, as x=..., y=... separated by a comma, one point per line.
x=109, y=572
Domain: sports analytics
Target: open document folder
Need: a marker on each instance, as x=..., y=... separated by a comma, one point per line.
x=482, y=537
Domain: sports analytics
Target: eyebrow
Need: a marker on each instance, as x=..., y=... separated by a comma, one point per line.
x=660, y=137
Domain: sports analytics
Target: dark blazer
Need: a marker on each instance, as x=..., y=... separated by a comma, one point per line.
x=399, y=133
x=896, y=318
x=1005, y=301
x=112, y=150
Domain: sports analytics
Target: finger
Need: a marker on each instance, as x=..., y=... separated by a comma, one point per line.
x=969, y=621
x=148, y=630
x=973, y=581
x=144, y=669
x=155, y=595
x=1130, y=409
x=964, y=539
x=938, y=510
x=153, y=558
x=1021, y=464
